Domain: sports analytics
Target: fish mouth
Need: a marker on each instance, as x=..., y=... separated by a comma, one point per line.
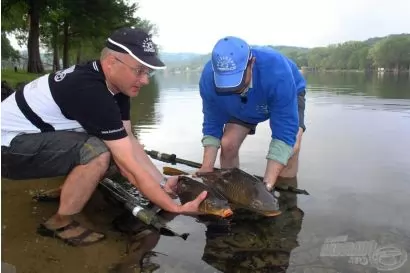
x=224, y=213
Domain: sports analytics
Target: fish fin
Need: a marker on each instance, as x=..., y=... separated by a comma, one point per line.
x=173, y=171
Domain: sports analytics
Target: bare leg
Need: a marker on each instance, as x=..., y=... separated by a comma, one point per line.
x=76, y=191
x=233, y=137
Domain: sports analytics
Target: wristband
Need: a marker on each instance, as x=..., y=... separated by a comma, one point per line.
x=163, y=182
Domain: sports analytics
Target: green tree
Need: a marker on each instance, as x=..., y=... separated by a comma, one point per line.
x=392, y=52
x=7, y=51
x=75, y=28
x=29, y=11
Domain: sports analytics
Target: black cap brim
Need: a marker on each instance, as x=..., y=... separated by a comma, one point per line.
x=150, y=60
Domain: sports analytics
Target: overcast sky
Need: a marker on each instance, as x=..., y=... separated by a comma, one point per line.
x=195, y=25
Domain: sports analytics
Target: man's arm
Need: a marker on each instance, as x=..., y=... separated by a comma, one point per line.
x=122, y=153
x=142, y=158
x=284, y=125
x=302, y=126
x=105, y=122
x=300, y=83
x=209, y=158
x=301, y=109
x=212, y=130
x=140, y=155
x=213, y=123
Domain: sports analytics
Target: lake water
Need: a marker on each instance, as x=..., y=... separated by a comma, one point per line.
x=354, y=162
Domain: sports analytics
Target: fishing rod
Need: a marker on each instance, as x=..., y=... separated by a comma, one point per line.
x=173, y=159
x=132, y=204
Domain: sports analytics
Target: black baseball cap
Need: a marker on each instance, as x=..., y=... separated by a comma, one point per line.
x=137, y=43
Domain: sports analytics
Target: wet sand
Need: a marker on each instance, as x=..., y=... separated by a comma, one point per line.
x=30, y=252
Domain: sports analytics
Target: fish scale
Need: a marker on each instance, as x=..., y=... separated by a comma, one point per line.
x=242, y=190
x=188, y=188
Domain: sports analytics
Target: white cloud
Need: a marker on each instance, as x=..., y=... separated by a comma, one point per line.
x=194, y=26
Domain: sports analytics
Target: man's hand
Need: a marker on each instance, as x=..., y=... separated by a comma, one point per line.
x=204, y=170
x=192, y=207
x=189, y=208
x=273, y=169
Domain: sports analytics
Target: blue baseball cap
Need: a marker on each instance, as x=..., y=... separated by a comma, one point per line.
x=230, y=57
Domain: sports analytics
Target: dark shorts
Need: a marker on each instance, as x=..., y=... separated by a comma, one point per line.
x=301, y=111
x=250, y=126
x=50, y=154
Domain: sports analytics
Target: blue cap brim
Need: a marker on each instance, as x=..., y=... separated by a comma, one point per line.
x=229, y=83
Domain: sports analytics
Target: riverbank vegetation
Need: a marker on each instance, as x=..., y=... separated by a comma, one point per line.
x=390, y=53
x=74, y=31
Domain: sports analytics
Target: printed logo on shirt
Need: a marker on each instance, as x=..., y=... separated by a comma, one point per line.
x=60, y=75
x=225, y=63
x=262, y=108
x=107, y=132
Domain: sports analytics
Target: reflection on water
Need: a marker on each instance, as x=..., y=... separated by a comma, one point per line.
x=385, y=86
x=256, y=245
x=354, y=163
x=244, y=243
x=143, y=112
x=360, y=90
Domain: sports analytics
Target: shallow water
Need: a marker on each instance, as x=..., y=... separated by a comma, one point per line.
x=354, y=163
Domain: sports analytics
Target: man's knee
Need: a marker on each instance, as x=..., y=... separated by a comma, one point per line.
x=94, y=148
x=102, y=161
x=228, y=147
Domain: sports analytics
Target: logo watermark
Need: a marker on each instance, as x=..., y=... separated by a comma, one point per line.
x=367, y=253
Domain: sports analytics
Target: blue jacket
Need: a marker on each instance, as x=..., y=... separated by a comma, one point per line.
x=273, y=96
x=297, y=76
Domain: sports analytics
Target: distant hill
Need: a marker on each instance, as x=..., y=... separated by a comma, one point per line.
x=178, y=59
x=195, y=61
x=334, y=56
x=290, y=48
x=374, y=40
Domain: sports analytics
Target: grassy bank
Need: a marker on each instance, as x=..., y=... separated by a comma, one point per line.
x=12, y=78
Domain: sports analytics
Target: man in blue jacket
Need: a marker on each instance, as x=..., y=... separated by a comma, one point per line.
x=242, y=86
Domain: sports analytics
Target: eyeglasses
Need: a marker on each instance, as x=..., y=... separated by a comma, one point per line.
x=138, y=71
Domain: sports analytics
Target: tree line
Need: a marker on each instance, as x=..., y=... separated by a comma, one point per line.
x=391, y=53
x=73, y=30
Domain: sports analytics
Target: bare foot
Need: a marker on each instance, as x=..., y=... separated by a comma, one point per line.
x=64, y=228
